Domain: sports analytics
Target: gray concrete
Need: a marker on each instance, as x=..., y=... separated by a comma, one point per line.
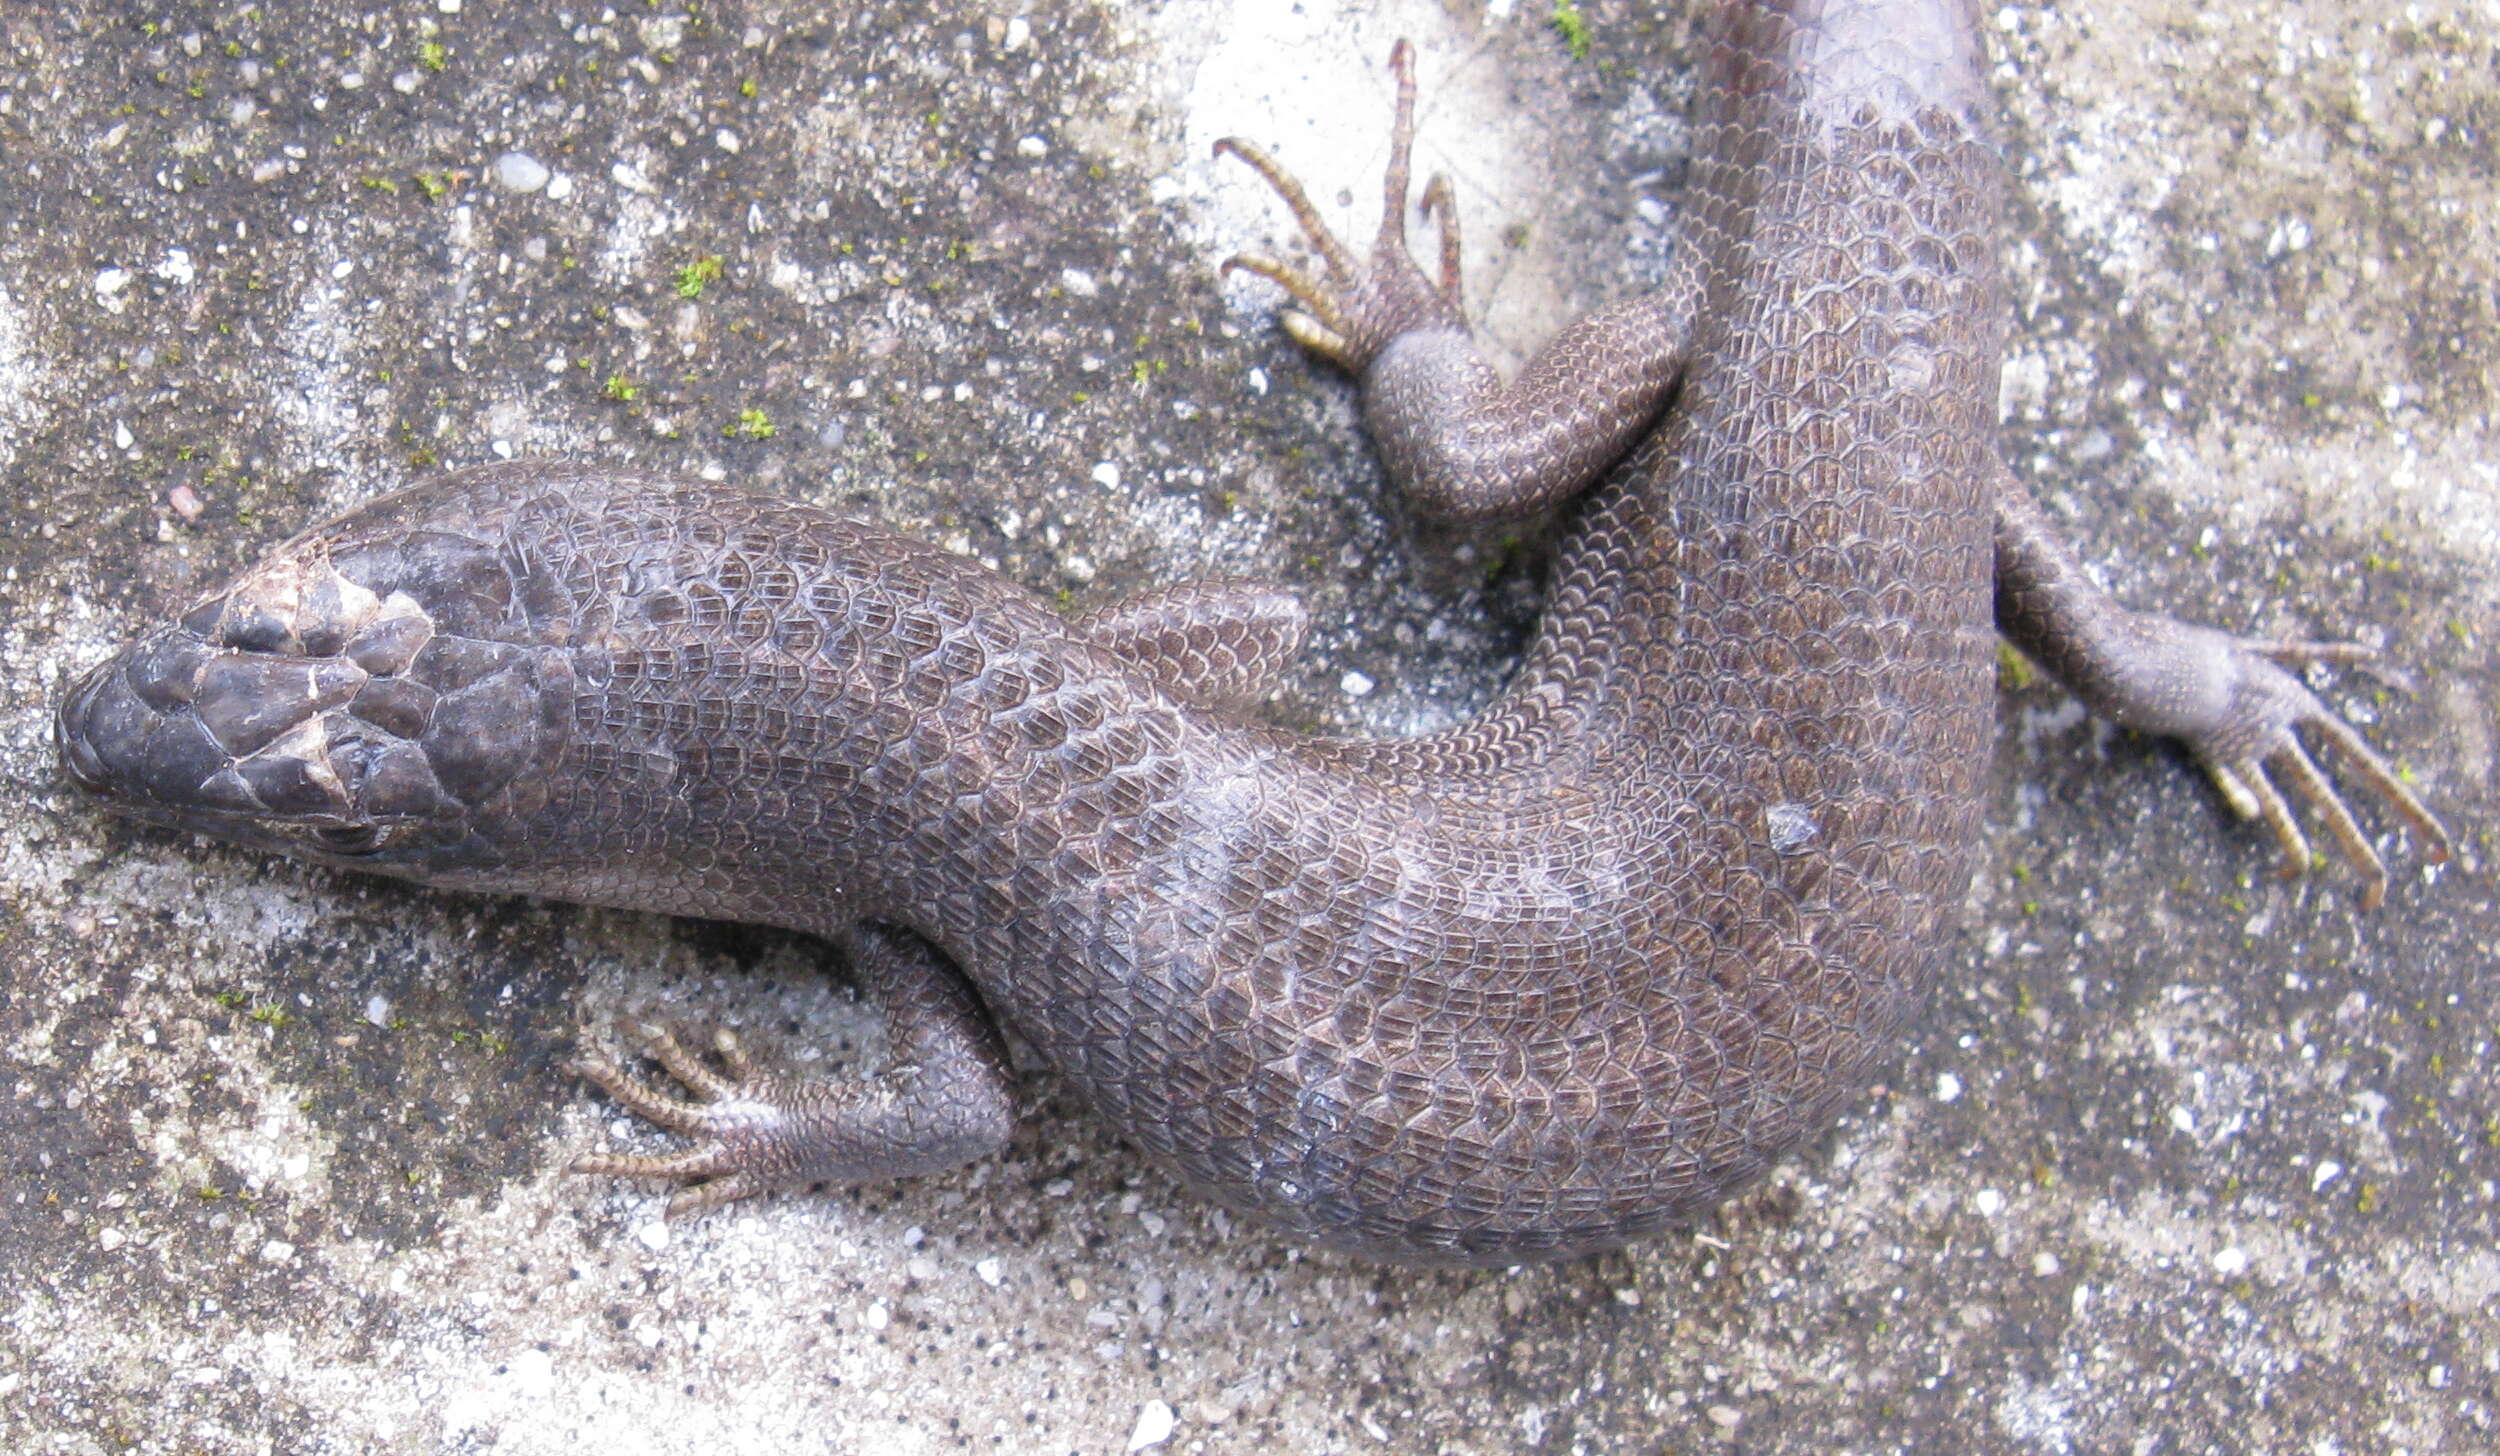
x=2181, y=1159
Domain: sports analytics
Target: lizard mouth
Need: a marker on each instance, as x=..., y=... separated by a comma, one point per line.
x=75, y=744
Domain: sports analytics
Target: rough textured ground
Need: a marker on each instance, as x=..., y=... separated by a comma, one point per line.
x=2182, y=1158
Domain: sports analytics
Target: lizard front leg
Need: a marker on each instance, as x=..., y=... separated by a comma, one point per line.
x=945, y=1096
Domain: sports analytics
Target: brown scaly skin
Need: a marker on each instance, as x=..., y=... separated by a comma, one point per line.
x=1533, y=987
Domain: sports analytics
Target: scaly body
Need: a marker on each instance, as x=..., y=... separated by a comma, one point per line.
x=1531, y=987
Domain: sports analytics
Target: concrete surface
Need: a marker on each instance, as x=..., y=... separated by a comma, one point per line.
x=2182, y=1159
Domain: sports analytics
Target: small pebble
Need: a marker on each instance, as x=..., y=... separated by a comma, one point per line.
x=1154, y=1426
x=520, y=172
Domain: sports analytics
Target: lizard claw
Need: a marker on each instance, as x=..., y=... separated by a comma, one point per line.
x=2254, y=741
x=1354, y=309
x=738, y=1121
x=1321, y=331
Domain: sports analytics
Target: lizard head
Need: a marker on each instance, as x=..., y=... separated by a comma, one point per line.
x=351, y=700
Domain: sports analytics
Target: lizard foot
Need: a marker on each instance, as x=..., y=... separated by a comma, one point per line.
x=737, y=1119
x=2252, y=740
x=944, y=1098
x=1354, y=310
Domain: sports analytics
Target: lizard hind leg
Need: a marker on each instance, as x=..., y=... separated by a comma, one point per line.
x=944, y=1098
x=2234, y=701
x=1465, y=446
